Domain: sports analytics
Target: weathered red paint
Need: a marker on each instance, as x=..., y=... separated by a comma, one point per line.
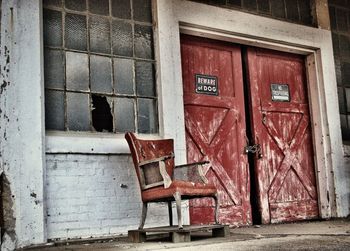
x=215, y=128
x=285, y=173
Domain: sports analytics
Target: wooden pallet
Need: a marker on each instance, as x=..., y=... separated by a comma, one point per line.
x=176, y=234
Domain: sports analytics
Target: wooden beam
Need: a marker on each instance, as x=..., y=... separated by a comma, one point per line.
x=221, y=232
x=178, y=234
x=321, y=14
x=177, y=237
x=136, y=236
x=317, y=103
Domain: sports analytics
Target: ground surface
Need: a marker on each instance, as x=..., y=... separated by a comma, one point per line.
x=320, y=235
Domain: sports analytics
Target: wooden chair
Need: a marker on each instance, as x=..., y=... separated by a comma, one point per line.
x=154, y=165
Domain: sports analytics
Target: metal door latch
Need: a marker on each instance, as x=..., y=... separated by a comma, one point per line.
x=253, y=149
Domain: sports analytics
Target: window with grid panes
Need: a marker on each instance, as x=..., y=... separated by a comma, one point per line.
x=339, y=11
x=295, y=11
x=99, y=66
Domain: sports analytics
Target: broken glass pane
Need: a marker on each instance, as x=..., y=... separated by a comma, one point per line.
x=124, y=76
x=143, y=41
x=54, y=69
x=122, y=38
x=54, y=110
x=124, y=114
x=52, y=28
x=79, y=5
x=78, y=112
x=75, y=34
x=99, y=35
x=101, y=74
x=121, y=9
x=142, y=10
x=147, y=116
x=145, y=78
x=99, y=7
x=102, y=119
x=77, y=71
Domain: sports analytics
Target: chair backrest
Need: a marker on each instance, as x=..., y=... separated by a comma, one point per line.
x=146, y=150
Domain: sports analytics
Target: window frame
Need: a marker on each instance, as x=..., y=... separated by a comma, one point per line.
x=89, y=142
x=136, y=97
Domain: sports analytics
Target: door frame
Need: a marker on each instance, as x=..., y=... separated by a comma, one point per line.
x=174, y=17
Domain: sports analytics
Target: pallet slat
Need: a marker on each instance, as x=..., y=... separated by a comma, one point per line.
x=178, y=235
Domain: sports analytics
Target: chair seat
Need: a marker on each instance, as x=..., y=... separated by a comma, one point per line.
x=185, y=188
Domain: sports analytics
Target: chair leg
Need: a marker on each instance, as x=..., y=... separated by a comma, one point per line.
x=216, y=209
x=170, y=209
x=143, y=215
x=177, y=197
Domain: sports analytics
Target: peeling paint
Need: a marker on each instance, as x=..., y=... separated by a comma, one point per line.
x=8, y=221
x=6, y=71
x=287, y=190
x=214, y=130
x=21, y=144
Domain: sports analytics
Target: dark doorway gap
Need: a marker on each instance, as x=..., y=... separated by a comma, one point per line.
x=102, y=119
x=256, y=214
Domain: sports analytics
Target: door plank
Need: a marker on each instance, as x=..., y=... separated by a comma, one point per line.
x=287, y=153
x=217, y=138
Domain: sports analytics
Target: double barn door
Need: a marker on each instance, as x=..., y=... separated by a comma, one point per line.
x=266, y=94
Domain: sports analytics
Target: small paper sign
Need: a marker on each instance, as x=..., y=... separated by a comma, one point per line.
x=280, y=92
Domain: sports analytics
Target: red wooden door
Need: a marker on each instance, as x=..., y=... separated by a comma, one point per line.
x=285, y=172
x=215, y=126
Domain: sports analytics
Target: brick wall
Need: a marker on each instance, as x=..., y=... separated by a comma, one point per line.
x=94, y=195
x=339, y=11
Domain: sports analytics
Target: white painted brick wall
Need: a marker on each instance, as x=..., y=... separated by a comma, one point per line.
x=84, y=197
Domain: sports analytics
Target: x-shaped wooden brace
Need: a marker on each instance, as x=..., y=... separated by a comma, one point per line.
x=290, y=159
x=211, y=151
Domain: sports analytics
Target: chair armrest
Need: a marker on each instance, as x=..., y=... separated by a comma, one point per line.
x=193, y=164
x=199, y=170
